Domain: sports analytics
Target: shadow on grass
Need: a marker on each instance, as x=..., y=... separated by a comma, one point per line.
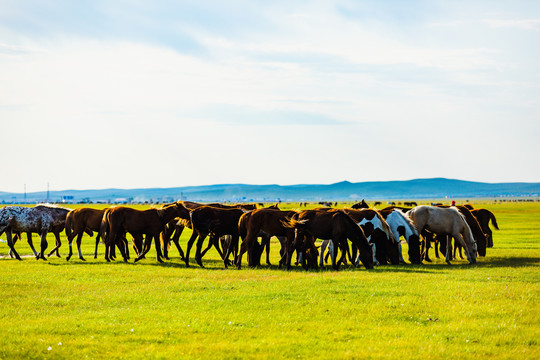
x=217, y=265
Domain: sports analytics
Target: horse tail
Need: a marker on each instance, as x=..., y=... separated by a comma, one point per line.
x=242, y=224
x=104, y=226
x=493, y=220
x=69, y=221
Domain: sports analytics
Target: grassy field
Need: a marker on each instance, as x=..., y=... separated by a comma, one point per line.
x=93, y=309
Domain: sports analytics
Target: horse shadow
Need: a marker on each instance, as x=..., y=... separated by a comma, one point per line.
x=217, y=265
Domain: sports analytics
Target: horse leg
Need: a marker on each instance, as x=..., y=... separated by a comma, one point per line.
x=30, y=243
x=198, y=257
x=211, y=241
x=429, y=239
x=176, y=238
x=44, y=244
x=146, y=247
x=58, y=244
x=97, y=243
x=189, y=245
x=448, y=257
x=267, y=248
x=11, y=244
x=70, y=244
x=324, y=245
x=122, y=245
x=157, y=244
x=79, y=238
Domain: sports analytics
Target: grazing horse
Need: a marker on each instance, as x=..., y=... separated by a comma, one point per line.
x=78, y=222
x=335, y=225
x=216, y=222
x=445, y=221
x=444, y=239
x=265, y=223
x=41, y=219
x=360, y=205
x=149, y=223
x=402, y=225
x=385, y=244
x=484, y=216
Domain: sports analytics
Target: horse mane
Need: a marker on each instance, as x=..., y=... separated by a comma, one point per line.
x=408, y=221
x=53, y=206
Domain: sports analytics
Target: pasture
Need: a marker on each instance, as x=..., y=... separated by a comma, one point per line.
x=93, y=309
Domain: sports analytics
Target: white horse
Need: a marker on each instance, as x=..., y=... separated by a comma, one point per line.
x=402, y=225
x=41, y=219
x=445, y=221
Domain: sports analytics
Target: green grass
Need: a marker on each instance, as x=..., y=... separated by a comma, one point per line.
x=96, y=309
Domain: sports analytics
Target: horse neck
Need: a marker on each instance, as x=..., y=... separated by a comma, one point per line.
x=410, y=229
x=168, y=213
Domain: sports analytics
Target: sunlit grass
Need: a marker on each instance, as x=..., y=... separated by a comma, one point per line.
x=94, y=309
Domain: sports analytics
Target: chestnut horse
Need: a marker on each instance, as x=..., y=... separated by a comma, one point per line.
x=174, y=228
x=445, y=221
x=78, y=222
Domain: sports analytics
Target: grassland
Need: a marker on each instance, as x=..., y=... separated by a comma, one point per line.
x=93, y=309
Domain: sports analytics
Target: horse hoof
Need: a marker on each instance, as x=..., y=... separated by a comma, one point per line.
x=83, y=259
x=67, y=259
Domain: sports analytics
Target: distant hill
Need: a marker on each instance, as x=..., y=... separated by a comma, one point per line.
x=410, y=189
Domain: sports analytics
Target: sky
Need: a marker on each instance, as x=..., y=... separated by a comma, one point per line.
x=138, y=94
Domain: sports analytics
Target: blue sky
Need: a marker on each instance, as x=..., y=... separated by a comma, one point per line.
x=99, y=94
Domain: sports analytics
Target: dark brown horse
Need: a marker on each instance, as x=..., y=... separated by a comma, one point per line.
x=265, y=223
x=213, y=221
x=334, y=225
x=484, y=216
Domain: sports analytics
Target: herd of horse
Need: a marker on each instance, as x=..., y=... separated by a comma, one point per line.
x=374, y=235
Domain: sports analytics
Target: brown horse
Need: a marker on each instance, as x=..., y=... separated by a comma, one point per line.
x=78, y=222
x=334, y=225
x=445, y=221
x=149, y=223
x=479, y=235
x=174, y=228
x=484, y=216
x=265, y=223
